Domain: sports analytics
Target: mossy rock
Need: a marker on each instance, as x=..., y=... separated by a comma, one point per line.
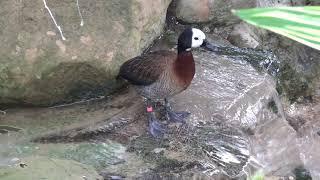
x=38, y=167
x=38, y=67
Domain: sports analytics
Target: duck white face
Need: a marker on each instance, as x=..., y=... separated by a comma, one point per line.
x=197, y=38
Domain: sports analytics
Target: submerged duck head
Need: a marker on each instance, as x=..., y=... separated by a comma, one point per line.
x=192, y=38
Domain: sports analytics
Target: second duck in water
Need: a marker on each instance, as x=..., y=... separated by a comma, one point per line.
x=163, y=74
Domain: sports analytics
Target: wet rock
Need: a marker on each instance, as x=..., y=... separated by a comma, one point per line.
x=312, y=3
x=226, y=97
x=271, y=3
x=271, y=138
x=299, y=72
x=308, y=138
x=98, y=155
x=38, y=67
x=212, y=149
x=37, y=167
x=244, y=35
x=302, y=173
x=274, y=147
x=298, y=75
x=6, y=129
x=218, y=12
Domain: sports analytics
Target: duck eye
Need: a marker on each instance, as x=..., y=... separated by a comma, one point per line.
x=196, y=38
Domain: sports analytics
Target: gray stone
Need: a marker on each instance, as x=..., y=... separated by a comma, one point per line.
x=298, y=75
x=299, y=70
x=218, y=12
x=275, y=3
x=244, y=35
x=39, y=68
x=308, y=139
x=313, y=2
x=38, y=167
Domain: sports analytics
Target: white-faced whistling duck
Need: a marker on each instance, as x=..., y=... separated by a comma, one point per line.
x=163, y=74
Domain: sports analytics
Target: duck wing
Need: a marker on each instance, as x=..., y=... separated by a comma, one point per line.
x=146, y=69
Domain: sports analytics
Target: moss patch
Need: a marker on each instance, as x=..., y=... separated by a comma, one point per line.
x=47, y=168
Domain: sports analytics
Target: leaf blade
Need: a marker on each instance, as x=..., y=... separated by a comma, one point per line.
x=301, y=24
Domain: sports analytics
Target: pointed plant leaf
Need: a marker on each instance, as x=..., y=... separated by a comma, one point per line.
x=301, y=24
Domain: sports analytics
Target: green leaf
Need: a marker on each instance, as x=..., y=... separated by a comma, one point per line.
x=301, y=24
x=257, y=176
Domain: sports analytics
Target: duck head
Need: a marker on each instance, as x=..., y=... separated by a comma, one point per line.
x=192, y=38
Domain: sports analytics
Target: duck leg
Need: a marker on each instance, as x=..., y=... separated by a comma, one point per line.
x=155, y=127
x=175, y=116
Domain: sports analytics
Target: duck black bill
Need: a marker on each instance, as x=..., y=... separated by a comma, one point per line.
x=208, y=46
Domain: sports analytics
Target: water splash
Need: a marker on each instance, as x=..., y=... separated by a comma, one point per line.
x=259, y=59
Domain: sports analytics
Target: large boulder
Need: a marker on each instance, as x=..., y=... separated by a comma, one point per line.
x=38, y=67
x=219, y=12
x=299, y=70
x=210, y=10
x=246, y=35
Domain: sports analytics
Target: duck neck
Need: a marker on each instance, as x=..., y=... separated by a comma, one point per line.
x=182, y=49
x=185, y=66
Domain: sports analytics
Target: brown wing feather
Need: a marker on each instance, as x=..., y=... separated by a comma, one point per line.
x=146, y=69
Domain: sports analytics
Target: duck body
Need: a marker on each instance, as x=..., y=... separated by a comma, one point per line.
x=161, y=74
